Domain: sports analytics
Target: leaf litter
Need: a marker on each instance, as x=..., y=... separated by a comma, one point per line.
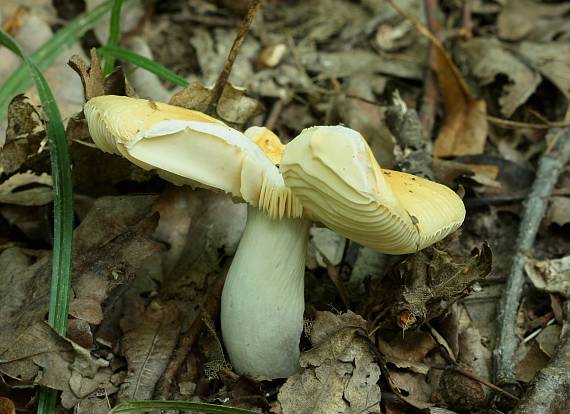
x=150, y=257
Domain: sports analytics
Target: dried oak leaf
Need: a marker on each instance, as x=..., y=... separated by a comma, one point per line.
x=150, y=336
x=23, y=136
x=40, y=194
x=464, y=129
x=558, y=211
x=518, y=18
x=487, y=58
x=39, y=355
x=550, y=275
x=552, y=60
x=109, y=246
x=340, y=374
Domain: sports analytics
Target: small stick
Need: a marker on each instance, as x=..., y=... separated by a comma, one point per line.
x=211, y=309
x=549, y=169
x=274, y=114
x=234, y=51
x=506, y=123
x=467, y=20
x=472, y=376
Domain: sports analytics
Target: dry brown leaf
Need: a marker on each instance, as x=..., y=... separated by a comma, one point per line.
x=43, y=357
x=39, y=195
x=7, y=406
x=366, y=117
x=558, y=211
x=109, y=248
x=416, y=391
x=150, y=336
x=23, y=135
x=413, y=346
x=550, y=275
x=234, y=107
x=340, y=374
x=518, y=18
x=487, y=58
x=552, y=60
x=548, y=339
x=533, y=361
x=464, y=129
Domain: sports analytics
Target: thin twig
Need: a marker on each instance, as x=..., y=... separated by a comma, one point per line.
x=524, y=125
x=211, y=309
x=234, y=51
x=467, y=20
x=472, y=376
x=275, y=113
x=549, y=169
x=431, y=90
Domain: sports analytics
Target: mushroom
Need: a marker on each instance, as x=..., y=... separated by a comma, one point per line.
x=326, y=174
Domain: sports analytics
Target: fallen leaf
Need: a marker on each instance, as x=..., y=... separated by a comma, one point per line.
x=414, y=388
x=487, y=58
x=340, y=374
x=329, y=244
x=413, y=346
x=39, y=195
x=558, y=211
x=548, y=339
x=109, y=248
x=7, y=406
x=234, y=107
x=550, y=275
x=464, y=129
x=532, y=362
x=366, y=117
x=24, y=135
x=551, y=60
x=407, y=64
x=518, y=18
x=43, y=357
x=150, y=336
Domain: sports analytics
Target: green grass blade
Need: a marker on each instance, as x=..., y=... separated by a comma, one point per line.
x=133, y=407
x=63, y=209
x=144, y=63
x=114, y=33
x=20, y=80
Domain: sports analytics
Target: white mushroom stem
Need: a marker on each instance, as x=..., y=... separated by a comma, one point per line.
x=263, y=300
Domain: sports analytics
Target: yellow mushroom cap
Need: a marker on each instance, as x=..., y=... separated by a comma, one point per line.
x=267, y=141
x=334, y=174
x=189, y=147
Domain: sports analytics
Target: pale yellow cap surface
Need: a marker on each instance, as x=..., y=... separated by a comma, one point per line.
x=189, y=147
x=334, y=174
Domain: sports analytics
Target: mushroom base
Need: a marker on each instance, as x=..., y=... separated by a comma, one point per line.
x=263, y=300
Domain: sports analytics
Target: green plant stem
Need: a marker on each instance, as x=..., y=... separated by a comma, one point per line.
x=63, y=209
x=144, y=63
